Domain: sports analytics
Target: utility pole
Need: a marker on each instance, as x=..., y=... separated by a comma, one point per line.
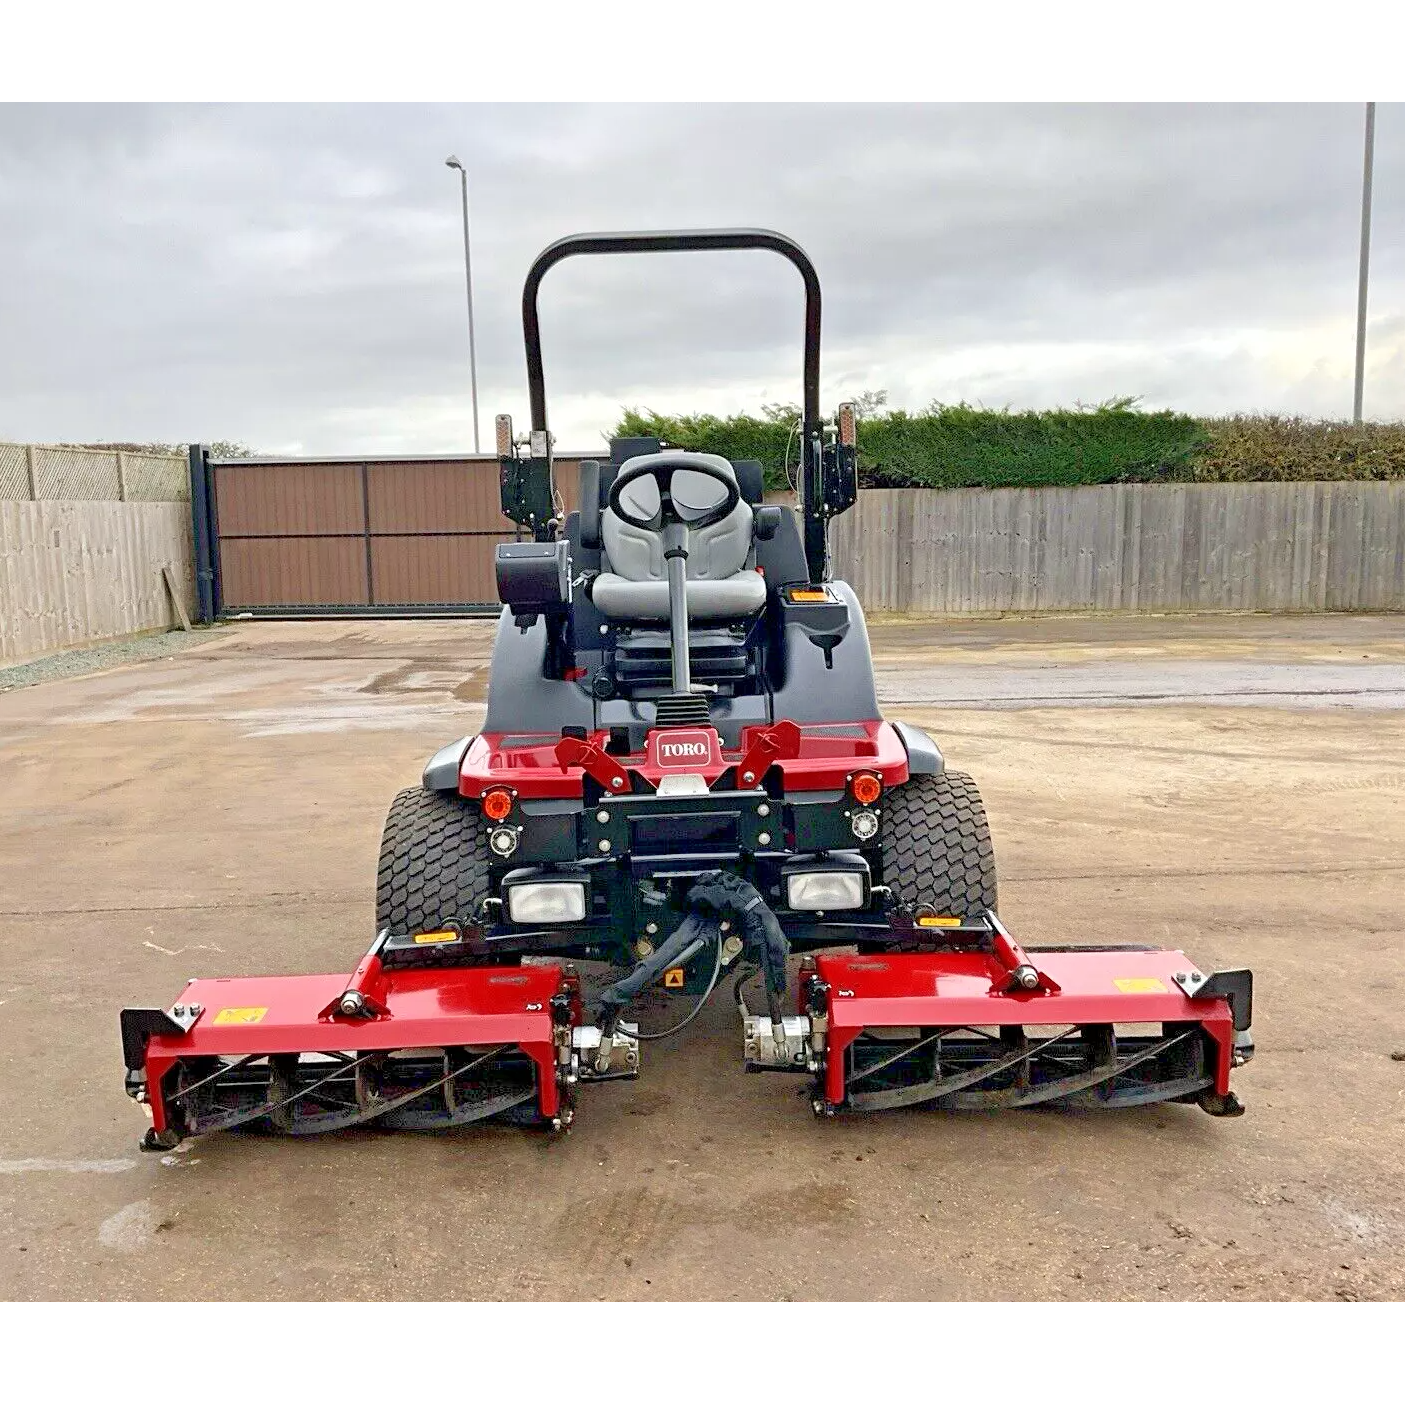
x=457, y=165
x=1365, y=262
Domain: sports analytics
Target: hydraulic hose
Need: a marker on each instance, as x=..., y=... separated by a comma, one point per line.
x=729, y=896
x=697, y=1009
x=710, y=900
x=692, y=935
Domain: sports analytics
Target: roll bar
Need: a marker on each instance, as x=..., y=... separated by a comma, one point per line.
x=674, y=241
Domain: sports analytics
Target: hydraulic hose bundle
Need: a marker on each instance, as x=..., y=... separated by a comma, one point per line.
x=711, y=901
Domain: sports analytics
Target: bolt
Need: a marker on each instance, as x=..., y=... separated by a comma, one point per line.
x=651, y=928
x=763, y=838
x=748, y=776
x=603, y=816
x=604, y=629
x=616, y=782
x=604, y=846
x=763, y=810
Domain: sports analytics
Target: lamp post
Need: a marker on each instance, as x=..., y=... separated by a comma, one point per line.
x=457, y=165
x=1365, y=261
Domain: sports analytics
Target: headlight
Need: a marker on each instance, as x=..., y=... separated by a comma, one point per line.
x=553, y=901
x=824, y=892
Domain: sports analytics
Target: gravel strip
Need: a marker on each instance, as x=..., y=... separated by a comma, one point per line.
x=72, y=663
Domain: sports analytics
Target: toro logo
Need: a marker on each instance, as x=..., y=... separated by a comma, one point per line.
x=683, y=749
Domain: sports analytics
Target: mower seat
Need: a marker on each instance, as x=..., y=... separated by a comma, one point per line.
x=722, y=580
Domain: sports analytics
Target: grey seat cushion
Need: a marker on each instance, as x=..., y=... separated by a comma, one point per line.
x=722, y=579
x=621, y=599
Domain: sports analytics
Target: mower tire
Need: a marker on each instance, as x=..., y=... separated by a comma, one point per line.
x=937, y=849
x=433, y=864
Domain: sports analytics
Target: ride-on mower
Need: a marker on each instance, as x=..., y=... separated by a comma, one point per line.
x=684, y=775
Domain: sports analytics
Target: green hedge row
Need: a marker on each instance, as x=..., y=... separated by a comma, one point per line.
x=956, y=446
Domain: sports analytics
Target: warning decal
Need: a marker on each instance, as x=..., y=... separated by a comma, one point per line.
x=242, y=1014
x=1140, y=985
x=673, y=978
x=435, y=937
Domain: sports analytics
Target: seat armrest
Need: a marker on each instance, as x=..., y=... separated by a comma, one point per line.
x=767, y=522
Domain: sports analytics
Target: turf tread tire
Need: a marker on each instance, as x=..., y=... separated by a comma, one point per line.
x=433, y=863
x=937, y=847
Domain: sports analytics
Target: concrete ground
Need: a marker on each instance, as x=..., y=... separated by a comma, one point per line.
x=1233, y=785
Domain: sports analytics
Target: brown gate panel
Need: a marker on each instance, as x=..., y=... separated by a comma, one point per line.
x=434, y=497
x=353, y=535
x=289, y=499
x=292, y=571
x=433, y=570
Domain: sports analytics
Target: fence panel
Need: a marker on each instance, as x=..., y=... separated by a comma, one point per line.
x=1184, y=546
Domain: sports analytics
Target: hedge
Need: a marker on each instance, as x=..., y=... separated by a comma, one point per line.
x=958, y=446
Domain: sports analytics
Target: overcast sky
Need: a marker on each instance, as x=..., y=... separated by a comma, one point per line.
x=292, y=277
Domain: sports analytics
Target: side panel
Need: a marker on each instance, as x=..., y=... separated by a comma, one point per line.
x=520, y=699
x=845, y=693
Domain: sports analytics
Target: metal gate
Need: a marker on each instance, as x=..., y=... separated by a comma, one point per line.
x=382, y=536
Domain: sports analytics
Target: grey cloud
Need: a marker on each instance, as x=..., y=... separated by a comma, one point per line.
x=293, y=275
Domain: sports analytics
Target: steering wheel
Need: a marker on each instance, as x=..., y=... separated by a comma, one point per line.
x=663, y=469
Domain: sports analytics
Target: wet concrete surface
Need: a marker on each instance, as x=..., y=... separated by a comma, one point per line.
x=218, y=812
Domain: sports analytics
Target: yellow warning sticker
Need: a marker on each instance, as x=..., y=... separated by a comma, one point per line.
x=431, y=937
x=1140, y=985
x=242, y=1014
x=673, y=978
x=809, y=595
x=938, y=921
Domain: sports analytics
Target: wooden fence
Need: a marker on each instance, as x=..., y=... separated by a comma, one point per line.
x=1193, y=546
x=74, y=573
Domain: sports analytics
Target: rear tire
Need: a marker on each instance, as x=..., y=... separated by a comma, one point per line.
x=433, y=863
x=937, y=848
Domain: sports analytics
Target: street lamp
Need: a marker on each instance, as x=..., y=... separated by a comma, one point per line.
x=1365, y=261
x=457, y=165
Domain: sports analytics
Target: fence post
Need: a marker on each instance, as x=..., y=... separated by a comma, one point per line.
x=121, y=476
x=200, y=521
x=29, y=472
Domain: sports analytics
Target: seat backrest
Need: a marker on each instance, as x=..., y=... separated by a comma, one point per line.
x=714, y=553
